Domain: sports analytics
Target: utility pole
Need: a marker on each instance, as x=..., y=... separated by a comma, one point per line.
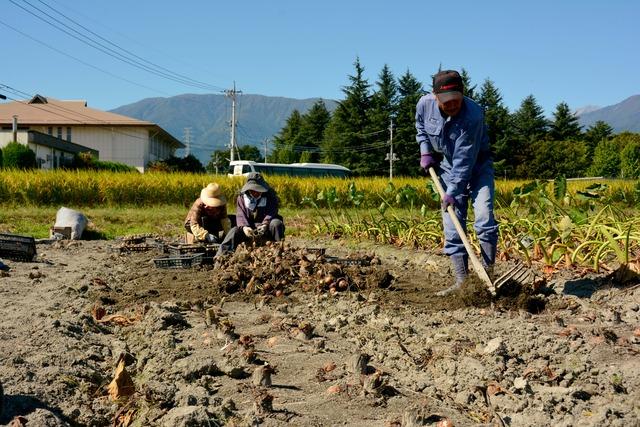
x=187, y=140
x=266, y=142
x=14, y=128
x=215, y=162
x=391, y=155
x=231, y=93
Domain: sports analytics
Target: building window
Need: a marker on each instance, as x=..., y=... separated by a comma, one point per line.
x=68, y=134
x=50, y=130
x=59, y=132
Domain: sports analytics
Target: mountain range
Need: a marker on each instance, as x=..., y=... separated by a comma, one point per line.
x=261, y=117
x=623, y=116
x=258, y=118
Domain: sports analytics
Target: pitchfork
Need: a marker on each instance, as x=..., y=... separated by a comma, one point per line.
x=519, y=273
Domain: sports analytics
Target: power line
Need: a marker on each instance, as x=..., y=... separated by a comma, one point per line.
x=247, y=135
x=105, y=49
x=61, y=108
x=146, y=47
x=81, y=61
x=95, y=68
x=128, y=51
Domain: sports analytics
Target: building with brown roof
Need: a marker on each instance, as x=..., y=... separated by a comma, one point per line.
x=56, y=129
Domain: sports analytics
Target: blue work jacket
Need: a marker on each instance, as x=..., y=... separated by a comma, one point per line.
x=461, y=140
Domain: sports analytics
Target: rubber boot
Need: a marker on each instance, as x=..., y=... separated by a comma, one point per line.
x=460, y=267
x=4, y=267
x=488, y=252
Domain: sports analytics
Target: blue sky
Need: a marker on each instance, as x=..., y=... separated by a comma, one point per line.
x=578, y=52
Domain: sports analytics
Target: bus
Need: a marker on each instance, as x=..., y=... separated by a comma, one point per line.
x=244, y=167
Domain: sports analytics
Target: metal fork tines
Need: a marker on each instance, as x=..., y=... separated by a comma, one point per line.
x=520, y=274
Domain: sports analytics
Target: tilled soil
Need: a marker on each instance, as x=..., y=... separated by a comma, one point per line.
x=287, y=335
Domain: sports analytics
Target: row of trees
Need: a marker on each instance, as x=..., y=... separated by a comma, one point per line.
x=525, y=144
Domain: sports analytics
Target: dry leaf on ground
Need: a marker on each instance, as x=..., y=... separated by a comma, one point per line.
x=122, y=384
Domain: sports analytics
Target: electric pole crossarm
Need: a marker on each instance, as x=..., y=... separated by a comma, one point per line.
x=391, y=156
x=233, y=147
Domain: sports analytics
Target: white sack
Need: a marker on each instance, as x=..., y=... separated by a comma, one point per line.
x=69, y=218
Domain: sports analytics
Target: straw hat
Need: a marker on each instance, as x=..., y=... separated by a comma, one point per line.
x=212, y=196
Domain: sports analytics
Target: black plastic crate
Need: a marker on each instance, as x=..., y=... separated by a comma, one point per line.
x=143, y=247
x=208, y=249
x=134, y=239
x=183, y=261
x=17, y=248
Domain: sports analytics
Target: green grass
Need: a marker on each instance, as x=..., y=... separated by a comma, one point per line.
x=109, y=223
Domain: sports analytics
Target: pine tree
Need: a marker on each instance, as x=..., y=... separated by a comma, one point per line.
x=597, y=132
x=529, y=122
x=384, y=104
x=312, y=129
x=286, y=141
x=345, y=137
x=529, y=126
x=565, y=124
x=469, y=89
x=498, y=123
x=404, y=139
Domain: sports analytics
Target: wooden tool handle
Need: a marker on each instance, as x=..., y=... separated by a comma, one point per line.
x=477, y=265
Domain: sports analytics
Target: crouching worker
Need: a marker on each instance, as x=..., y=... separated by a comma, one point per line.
x=256, y=215
x=208, y=217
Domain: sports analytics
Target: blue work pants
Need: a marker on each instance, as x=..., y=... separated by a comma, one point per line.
x=481, y=191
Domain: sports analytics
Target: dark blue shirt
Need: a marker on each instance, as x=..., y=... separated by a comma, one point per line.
x=462, y=140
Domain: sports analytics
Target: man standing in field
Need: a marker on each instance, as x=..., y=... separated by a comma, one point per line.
x=453, y=140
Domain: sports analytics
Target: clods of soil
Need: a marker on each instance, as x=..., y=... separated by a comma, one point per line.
x=289, y=334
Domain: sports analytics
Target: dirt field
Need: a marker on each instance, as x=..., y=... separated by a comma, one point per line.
x=288, y=335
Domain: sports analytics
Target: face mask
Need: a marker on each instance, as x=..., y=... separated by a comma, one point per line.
x=249, y=202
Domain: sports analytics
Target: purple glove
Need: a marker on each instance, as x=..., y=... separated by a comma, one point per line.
x=427, y=161
x=448, y=200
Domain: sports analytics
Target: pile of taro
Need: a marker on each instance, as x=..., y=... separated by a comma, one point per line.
x=278, y=269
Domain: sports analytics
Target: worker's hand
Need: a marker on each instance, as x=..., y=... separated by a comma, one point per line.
x=210, y=238
x=428, y=160
x=248, y=231
x=261, y=229
x=448, y=200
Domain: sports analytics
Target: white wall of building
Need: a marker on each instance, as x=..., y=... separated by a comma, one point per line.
x=47, y=157
x=133, y=146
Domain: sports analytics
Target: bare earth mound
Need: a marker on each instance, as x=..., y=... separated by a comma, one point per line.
x=353, y=335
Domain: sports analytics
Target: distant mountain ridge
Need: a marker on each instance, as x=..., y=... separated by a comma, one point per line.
x=209, y=116
x=623, y=116
x=260, y=117
x=586, y=109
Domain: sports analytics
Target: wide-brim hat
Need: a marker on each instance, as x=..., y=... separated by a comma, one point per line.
x=253, y=186
x=212, y=196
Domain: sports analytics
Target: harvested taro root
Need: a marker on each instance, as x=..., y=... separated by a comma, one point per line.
x=276, y=269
